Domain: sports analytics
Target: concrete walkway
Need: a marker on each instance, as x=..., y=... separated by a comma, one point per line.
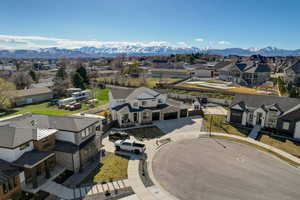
x=58, y=190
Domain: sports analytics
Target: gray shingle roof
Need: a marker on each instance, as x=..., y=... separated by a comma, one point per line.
x=12, y=136
x=7, y=171
x=257, y=101
x=121, y=93
x=22, y=129
x=31, y=158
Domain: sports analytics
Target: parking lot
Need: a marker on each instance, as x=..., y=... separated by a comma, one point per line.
x=215, y=169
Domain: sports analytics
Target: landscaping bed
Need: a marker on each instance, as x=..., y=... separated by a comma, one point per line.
x=216, y=123
x=145, y=133
x=286, y=145
x=144, y=175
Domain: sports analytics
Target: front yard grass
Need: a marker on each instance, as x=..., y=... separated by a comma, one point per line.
x=286, y=145
x=218, y=125
x=113, y=167
x=145, y=133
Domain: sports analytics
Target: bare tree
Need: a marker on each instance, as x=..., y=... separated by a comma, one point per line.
x=7, y=92
x=22, y=80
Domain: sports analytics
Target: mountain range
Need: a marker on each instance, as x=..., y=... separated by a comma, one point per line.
x=138, y=50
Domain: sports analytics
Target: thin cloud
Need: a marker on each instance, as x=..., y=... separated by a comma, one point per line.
x=222, y=42
x=199, y=39
x=35, y=42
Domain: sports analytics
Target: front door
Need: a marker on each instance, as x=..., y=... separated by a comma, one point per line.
x=259, y=119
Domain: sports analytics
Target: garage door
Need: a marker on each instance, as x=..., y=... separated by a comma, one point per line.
x=236, y=116
x=172, y=115
x=183, y=113
x=155, y=116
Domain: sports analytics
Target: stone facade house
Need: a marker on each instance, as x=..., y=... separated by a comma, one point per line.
x=279, y=114
x=249, y=74
x=142, y=105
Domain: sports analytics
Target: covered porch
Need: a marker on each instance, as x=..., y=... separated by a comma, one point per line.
x=38, y=168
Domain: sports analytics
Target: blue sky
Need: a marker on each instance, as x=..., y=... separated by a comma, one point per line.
x=215, y=23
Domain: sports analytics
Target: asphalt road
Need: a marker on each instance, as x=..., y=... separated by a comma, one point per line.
x=215, y=169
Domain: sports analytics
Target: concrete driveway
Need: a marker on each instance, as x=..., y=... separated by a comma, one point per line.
x=214, y=169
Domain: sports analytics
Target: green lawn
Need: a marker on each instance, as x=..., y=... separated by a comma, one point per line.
x=113, y=167
x=45, y=108
x=217, y=124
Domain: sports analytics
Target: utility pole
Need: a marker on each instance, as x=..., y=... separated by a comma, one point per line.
x=210, y=126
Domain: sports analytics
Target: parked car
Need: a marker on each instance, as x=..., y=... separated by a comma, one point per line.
x=118, y=136
x=73, y=106
x=131, y=146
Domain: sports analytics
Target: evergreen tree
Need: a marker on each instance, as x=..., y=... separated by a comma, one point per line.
x=61, y=73
x=78, y=81
x=84, y=75
x=33, y=75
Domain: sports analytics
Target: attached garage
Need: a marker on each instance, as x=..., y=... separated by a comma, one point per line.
x=155, y=116
x=236, y=116
x=183, y=113
x=171, y=115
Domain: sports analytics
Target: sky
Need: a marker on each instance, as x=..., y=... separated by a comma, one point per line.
x=30, y=24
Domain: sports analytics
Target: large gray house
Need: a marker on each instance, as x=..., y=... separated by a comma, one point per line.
x=142, y=105
x=280, y=114
x=250, y=73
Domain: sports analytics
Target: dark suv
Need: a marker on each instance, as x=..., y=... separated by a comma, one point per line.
x=118, y=136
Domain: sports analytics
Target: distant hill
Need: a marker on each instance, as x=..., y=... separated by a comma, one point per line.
x=137, y=50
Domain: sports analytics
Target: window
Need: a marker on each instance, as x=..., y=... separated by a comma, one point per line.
x=144, y=103
x=135, y=104
x=98, y=128
x=159, y=101
x=24, y=146
x=285, y=125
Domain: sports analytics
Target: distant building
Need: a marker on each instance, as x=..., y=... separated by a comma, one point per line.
x=291, y=74
x=33, y=95
x=250, y=74
x=171, y=73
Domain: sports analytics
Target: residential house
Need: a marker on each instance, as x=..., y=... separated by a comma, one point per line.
x=142, y=105
x=279, y=114
x=43, y=146
x=33, y=95
x=171, y=73
x=250, y=74
x=291, y=74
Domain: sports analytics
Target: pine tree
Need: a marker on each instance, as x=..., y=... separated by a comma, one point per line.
x=33, y=75
x=84, y=75
x=78, y=81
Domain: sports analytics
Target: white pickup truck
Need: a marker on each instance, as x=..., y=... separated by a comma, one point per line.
x=129, y=145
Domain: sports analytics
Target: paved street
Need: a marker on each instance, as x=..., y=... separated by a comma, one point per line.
x=212, y=169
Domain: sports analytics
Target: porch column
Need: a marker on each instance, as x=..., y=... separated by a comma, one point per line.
x=34, y=178
x=47, y=170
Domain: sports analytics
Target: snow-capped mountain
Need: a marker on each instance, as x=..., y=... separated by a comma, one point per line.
x=139, y=50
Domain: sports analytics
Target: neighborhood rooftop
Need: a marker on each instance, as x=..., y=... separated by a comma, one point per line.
x=284, y=103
